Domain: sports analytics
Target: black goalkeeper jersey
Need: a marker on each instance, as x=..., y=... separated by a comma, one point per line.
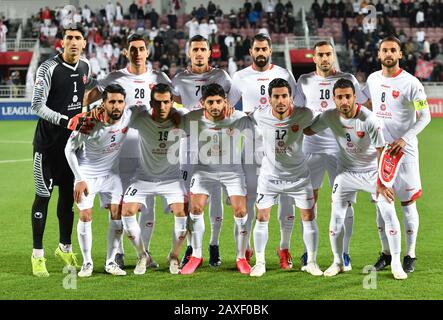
x=58, y=91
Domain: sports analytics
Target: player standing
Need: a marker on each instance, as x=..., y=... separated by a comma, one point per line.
x=57, y=99
x=93, y=159
x=187, y=89
x=157, y=175
x=361, y=142
x=251, y=86
x=219, y=162
x=315, y=90
x=137, y=80
x=399, y=101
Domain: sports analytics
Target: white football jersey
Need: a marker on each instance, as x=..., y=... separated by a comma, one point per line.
x=97, y=152
x=251, y=86
x=282, y=142
x=138, y=92
x=189, y=85
x=316, y=94
x=395, y=101
x=216, y=143
x=154, y=146
x=357, y=138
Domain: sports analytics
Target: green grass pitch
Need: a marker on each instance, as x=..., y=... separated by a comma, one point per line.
x=17, y=282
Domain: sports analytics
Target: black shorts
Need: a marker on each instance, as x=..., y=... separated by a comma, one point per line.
x=51, y=169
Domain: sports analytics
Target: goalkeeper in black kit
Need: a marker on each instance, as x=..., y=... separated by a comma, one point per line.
x=57, y=99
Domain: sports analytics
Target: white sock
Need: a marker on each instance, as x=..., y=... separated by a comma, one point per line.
x=251, y=215
x=381, y=233
x=147, y=221
x=260, y=240
x=336, y=232
x=393, y=230
x=286, y=220
x=179, y=233
x=132, y=229
x=242, y=236
x=38, y=253
x=84, y=234
x=348, y=224
x=310, y=237
x=411, y=223
x=115, y=237
x=198, y=229
x=302, y=229
x=216, y=215
x=65, y=247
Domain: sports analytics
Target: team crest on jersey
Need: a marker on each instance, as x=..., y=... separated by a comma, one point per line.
x=324, y=104
x=360, y=134
x=395, y=94
x=295, y=128
x=125, y=129
x=383, y=107
x=85, y=79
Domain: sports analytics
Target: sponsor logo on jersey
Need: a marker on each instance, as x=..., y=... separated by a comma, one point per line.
x=139, y=81
x=263, y=100
x=385, y=86
x=347, y=127
x=74, y=75
x=395, y=94
x=263, y=79
x=325, y=83
x=281, y=143
x=295, y=128
x=360, y=134
x=383, y=107
x=350, y=144
x=324, y=104
x=162, y=145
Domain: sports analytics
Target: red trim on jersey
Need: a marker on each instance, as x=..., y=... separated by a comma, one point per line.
x=270, y=67
x=416, y=195
x=358, y=110
x=397, y=73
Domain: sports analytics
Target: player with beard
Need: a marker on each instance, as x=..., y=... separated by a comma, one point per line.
x=250, y=85
x=321, y=150
x=137, y=81
x=399, y=101
x=93, y=159
x=187, y=89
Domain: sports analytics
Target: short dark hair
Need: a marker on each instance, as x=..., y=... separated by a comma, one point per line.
x=75, y=26
x=390, y=39
x=323, y=43
x=213, y=89
x=343, y=83
x=261, y=37
x=279, y=83
x=136, y=37
x=160, y=88
x=198, y=38
x=113, y=88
